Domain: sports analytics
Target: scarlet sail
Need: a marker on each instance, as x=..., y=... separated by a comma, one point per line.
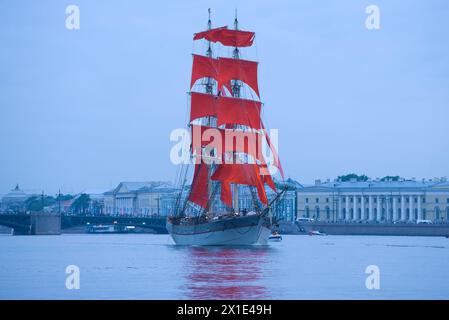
x=203, y=67
x=239, y=111
x=265, y=178
x=277, y=161
x=223, y=139
x=224, y=70
x=227, y=37
x=202, y=105
x=227, y=110
x=199, y=185
x=246, y=174
x=226, y=194
x=238, y=69
x=227, y=141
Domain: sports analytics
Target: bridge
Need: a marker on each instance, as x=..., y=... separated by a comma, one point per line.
x=52, y=223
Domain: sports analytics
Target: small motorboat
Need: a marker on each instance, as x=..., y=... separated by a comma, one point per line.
x=275, y=236
x=316, y=233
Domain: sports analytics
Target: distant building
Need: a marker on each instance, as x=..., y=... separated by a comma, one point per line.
x=14, y=200
x=139, y=198
x=96, y=205
x=285, y=208
x=355, y=201
x=375, y=200
x=162, y=198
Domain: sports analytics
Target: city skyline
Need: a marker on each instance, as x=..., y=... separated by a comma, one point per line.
x=81, y=108
x=317, y=180
x=225, y=157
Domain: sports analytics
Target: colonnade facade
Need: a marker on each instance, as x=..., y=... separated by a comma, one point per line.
x=379, y=207
x=366, y=203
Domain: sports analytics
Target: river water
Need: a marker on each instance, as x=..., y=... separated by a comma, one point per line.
x=143, y=266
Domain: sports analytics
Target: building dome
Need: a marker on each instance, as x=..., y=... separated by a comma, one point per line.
x=15, y=195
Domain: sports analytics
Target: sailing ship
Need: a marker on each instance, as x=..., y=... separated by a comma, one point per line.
x=227, y=137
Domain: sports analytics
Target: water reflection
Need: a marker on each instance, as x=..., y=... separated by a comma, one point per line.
x=225, y=272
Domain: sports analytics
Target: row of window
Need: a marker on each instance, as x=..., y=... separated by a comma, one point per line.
x=317, y=200
x=437, y=212
x=359, y=199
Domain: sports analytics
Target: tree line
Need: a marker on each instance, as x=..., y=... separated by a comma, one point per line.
x=80, y=204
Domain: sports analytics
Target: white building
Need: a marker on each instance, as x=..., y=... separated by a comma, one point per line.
x=14, y=200
x=375, y=201
x=138, y=198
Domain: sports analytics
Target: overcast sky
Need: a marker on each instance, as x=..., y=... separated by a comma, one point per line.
x=92, y=107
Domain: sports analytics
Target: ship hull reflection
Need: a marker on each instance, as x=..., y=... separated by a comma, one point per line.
x=225, y=273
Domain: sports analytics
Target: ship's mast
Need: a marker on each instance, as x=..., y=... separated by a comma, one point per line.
x=236, y=86
x=230, y=74
x=209, y=86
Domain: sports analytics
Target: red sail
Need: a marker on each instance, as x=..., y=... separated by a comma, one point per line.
x=224, y=70
x=227, y=37
x=247, y=174
x=226, y=195
x=227, y=110
x=245, y=142
x=209, y=34
x=200, y=185
x=266, y=177
x=203, y=67
x=202, y=105
x=234, y=141
x=231, y=141
x=239, y=111
x=277, y=161
x=238, y=69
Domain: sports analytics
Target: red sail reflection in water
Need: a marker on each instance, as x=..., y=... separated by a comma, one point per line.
x=225, y=273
